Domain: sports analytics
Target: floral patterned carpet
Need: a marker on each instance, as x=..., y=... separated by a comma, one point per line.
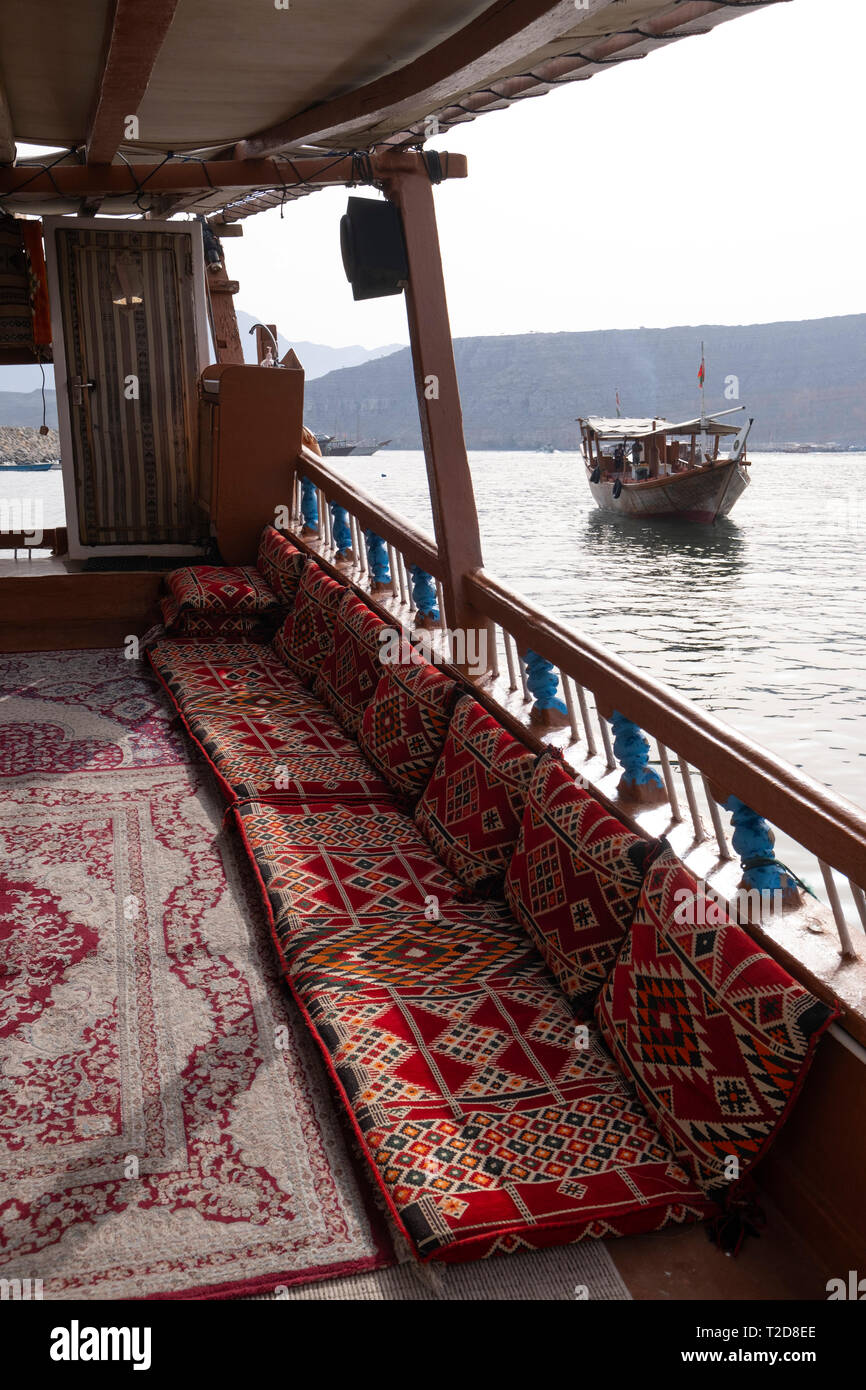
x=166, y=1128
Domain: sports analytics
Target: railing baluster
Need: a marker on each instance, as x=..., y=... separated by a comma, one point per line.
x=670, y=784
x=341, y=530
x=542, y=678
x=859, y=901
x=309, y=508
x=521, y=666
x=392, y=567
x=509, y=657
x=608, y=746
x=492, y=662
x=591, y=745
x=686, y=774
x=400, y=567
x=716, y=817
x=377, y=560
x=362, y=543
x=440, y=603
x=426, y=596
x=569, y=704
x=835, y=902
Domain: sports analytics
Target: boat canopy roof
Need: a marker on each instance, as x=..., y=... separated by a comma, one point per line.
x=605, y=427
x=105, y=84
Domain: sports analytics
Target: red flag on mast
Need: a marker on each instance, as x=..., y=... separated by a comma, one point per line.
x=702, y=373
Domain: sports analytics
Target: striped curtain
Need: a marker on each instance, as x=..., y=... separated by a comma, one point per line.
x=134, y=435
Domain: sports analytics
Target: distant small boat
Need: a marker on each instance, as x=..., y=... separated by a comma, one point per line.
x=653, y=468
x=28, y=467
x=334, y=447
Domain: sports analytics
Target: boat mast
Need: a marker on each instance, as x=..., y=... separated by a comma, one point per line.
x=702, y=376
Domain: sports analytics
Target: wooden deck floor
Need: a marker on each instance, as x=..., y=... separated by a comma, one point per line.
x=682, y=1264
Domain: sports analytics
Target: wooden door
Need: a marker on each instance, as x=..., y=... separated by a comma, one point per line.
x=130, y=340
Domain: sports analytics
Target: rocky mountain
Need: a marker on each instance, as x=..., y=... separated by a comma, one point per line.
x=25, y=408
x=802, y=381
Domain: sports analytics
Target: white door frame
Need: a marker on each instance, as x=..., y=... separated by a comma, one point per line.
x=191, y=228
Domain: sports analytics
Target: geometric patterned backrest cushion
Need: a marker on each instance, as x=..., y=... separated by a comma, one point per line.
x=574, y=879
x=349, y=674
x=281, y=565
x=716, y=1037
x=221, y=589
x=404, y=725
x=471, y=808
x=305, y=637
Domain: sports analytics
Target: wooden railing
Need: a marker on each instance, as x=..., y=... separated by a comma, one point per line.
x=415, y=545
x=701, y=759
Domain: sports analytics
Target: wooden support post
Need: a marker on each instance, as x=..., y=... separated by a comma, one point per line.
x=224, y=321
x=455, y=517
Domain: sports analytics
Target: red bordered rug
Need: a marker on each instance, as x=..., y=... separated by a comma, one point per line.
x=166, y=1127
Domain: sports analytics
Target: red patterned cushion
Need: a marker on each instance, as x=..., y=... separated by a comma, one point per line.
x=472, y=805
x=305, y=638
x=574, y=879
x=361, y=858
x=404, y=725
x=280, y=564
x=491, y=1126
x=350, y=672
x=715, y=1035
x=226, y=677
x=285, y=752
x=223, y=589
x=471, y=943
x=212, y=626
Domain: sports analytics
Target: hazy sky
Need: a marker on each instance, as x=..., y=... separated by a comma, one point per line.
x=720, y=180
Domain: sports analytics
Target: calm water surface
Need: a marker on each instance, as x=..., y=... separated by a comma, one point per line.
x=761, y=618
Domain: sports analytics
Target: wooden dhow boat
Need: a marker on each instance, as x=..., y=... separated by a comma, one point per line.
x=192, y=677
x=654, y=468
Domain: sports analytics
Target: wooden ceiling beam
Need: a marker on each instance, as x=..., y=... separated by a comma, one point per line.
x=137, y=33
x=195, y=176
x=7, y=134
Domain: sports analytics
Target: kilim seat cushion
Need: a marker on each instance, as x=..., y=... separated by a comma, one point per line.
x=467, y=943
x=307, y=634
x=404, y=726
x=493, y=1121
x=350, y=672
x=225, y=677
x=280, y=564
x=716, y=1037
x=472, y=806
x=351, y=857
x=285, y=752
x=574, y=879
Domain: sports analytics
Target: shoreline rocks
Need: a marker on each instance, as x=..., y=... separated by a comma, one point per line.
x=20, y=444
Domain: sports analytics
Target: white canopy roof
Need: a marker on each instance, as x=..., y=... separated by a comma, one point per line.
x=251, y=79
x=607, y=427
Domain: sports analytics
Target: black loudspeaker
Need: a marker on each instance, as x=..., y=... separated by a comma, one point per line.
x=373, y=249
